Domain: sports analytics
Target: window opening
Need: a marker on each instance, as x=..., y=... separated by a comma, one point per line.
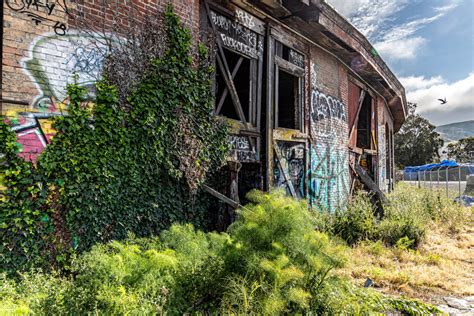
x=387, y=152
x=240, y=68
x=364, y=124
x=288, y=110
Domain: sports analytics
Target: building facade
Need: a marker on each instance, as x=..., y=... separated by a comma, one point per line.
x=306, y=94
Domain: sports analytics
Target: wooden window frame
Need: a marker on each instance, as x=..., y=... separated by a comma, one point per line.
x=299, y=73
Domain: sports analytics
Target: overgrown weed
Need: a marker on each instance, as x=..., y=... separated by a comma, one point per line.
x=271, y=261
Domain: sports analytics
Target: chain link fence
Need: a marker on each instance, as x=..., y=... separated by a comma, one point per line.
x=451, y=180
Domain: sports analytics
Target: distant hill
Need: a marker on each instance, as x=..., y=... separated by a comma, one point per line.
x=456, y=131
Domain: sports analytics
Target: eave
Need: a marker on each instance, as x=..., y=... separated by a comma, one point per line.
x=320, y=23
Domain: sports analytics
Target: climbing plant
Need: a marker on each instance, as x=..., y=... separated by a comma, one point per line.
x=114, y=169
x=24, y=222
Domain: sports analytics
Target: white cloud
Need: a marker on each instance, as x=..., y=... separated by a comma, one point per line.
x=347, y=8
x=376, y=19
x=426, y=92
x=413, y=83
x=368, y=16
x=401, y=48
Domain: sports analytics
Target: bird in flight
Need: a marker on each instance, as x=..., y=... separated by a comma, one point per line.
x=443, y=101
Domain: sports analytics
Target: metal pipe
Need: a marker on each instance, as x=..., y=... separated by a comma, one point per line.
x=438, y=178
x=447, y=177
x=459, y=180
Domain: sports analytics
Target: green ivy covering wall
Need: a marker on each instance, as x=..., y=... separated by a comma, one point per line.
x=114, y=168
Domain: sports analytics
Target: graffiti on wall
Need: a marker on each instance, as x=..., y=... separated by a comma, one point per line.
x=44, y=12
x=382, y=156
x=236, y=36
x=328, y=114
x=328, y=177
x=326, y=107
x=53, y=62
x=242, y=149
x=33, y=130
x=292, y=164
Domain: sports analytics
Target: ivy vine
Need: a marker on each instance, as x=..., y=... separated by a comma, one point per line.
x=113, y=168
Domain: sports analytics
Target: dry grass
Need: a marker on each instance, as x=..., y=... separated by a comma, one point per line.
x=442, y=265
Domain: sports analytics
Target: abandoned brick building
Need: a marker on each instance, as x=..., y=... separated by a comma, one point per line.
x=308, y=97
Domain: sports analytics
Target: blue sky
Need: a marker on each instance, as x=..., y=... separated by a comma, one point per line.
x=428, y=44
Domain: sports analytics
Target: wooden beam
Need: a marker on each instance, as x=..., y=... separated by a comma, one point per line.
x=285, y=172
x=226, y=90
x=221, y=196
x=356, y=121
x=289, y=67
x=372, y=187
x=222, y=63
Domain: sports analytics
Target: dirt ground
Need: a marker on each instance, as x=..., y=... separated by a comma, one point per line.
x=443, y=266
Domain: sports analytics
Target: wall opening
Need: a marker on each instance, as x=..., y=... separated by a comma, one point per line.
x=241, y=76
x=288, y=110
x=364, y=124
x=387, y=153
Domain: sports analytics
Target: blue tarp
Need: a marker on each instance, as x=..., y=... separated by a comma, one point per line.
x=431, y=166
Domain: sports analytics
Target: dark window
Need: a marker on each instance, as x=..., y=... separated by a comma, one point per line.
x=364, y=124
x=288, y=110
x=387, y=153
x=289, y=73
x=239, y=67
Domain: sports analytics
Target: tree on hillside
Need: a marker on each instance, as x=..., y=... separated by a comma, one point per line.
x=462, y=150
x=417, y=142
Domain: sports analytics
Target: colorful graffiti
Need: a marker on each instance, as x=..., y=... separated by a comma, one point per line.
x=53, y=62
x=34, y=129
x=291, y=165
x=328, y=177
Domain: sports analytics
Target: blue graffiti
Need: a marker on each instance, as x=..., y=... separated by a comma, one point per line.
x=328, y=177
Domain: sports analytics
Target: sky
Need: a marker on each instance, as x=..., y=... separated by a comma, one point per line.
x=428, y=45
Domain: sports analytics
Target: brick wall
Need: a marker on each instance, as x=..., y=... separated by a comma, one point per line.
x=329, y=178
x=45, y=44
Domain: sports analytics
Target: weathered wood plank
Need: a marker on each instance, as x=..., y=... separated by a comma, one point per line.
x=283, y=170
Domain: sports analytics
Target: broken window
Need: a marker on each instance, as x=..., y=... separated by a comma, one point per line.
x=364, y=124
x=239, y=60
x=240, y=70
x=387, y=153
x=289, y=73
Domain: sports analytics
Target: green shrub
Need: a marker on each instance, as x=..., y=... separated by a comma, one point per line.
x=357, y=222
x=392, y=229
x=409, y=214
x=33, y=293
x=427, y=206
x=271, y=261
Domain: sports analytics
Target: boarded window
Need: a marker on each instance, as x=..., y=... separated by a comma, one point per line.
x=240, y=67
x=239, y=60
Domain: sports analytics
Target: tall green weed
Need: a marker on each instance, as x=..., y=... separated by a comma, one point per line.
x=271, y=261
